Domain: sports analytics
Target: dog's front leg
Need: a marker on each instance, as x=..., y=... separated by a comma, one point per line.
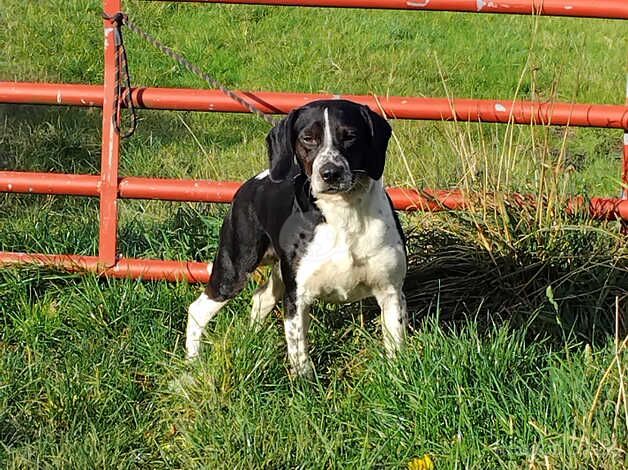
x=296, y=324
x=392, y=303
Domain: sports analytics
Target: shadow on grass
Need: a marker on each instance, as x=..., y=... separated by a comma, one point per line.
x=559, y=295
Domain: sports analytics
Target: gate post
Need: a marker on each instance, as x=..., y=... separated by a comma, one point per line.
x=108, y=184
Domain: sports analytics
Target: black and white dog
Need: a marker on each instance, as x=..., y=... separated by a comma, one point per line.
x=321, y=217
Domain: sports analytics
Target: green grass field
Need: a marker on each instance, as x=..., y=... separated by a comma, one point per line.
x=515, y=360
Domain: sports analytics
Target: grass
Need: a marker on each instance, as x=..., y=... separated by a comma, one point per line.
x=90, y=375
x=515, y=358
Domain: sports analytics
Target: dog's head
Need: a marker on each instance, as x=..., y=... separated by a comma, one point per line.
x=336, y=143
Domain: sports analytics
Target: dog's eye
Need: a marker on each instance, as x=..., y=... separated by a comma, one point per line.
x=308, y=140
x=349, y=138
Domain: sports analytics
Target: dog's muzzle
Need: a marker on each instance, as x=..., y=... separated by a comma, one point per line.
x=331, y=173
x=335, y=178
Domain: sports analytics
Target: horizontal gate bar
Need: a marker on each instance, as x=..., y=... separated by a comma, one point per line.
x=187, y=190
x=195, y=272
x=399, y=107
x=614, y=9
x=223, y=191
x=146, y=269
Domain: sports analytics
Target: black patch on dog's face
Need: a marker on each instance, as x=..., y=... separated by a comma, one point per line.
x=356, y=144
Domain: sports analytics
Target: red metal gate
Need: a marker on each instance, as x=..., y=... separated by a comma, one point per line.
x=109, y=187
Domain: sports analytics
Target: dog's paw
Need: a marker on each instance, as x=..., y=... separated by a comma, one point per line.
x=302, y=371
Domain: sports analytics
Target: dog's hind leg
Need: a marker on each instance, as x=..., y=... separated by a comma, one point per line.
x=266, y=297
x=241, y=249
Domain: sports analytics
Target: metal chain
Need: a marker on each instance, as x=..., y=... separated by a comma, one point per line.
x=122, y=95
x=213, y=82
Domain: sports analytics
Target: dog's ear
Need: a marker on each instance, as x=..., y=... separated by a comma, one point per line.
x=380, y=134
x=280, y=143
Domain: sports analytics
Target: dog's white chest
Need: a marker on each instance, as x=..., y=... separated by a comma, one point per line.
x=352, y=256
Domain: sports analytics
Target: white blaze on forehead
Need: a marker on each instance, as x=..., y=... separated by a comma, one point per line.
x=327, y=141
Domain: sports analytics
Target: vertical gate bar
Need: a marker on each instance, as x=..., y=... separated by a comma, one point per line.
x=108, y=230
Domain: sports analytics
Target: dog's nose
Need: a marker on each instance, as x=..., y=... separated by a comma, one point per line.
x=331, y=173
